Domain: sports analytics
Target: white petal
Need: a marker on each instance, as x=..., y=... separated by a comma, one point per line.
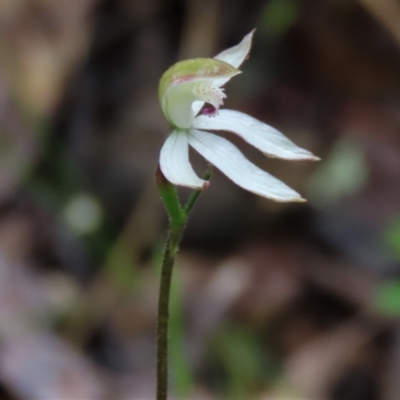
x=175, y=164
x=227, y=158
x=237, y=54
x=234, y=56
x=262, y=136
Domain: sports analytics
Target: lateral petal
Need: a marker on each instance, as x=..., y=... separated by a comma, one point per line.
x=175, y=164
x=262, y=136
x=227, y=158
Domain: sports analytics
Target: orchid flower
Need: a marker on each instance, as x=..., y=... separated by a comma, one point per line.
x=184, y=89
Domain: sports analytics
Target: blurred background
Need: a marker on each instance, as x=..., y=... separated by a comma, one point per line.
x=270, y=301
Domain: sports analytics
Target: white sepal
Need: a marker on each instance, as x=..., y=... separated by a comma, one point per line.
x=230, y=161
x=234, y=56
x=237, y=54
x=262, y=136
x=174, y=161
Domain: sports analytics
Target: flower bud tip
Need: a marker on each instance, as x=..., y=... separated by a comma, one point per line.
x=206, y=185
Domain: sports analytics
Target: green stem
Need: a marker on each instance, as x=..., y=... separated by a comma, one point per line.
x=177, y=220
x=196, y=193
x=170, y=251
x=170, y=199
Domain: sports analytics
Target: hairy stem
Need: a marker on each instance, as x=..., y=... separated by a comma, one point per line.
x=170, y=251
x=177, y=219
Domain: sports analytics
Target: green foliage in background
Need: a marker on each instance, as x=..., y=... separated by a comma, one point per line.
x=387, y=297
x=392, y=236
x=342, y=173
x=278, y=16
x=239, y=364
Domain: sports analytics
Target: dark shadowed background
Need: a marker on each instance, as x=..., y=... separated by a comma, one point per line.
x=270, y=301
